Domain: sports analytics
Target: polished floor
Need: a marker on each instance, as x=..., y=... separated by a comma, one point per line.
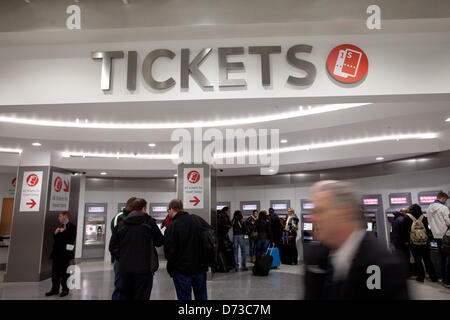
x=284, y=283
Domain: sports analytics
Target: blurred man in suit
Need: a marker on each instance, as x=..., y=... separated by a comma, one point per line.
x=63, y=251
x=358, y=267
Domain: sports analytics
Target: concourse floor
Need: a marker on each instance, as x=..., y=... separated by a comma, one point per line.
x=284, y=283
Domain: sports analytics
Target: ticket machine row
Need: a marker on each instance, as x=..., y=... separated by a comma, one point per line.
x=378, y=220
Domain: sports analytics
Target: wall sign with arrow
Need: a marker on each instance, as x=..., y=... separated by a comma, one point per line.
x=31, y=191
x=193, y=188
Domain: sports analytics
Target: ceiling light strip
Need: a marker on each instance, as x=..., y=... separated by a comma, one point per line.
x=10, y=150
x=120, y=155
x=329, y=145
x=196, y=124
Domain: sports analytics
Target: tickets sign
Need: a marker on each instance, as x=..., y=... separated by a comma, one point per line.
x=60, y=192
x=31, y=191
x=347, y=63
x=193, y=188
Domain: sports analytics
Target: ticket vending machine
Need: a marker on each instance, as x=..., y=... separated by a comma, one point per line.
x=247, y=207
x=95, y=223
x=307, y=226
x=372, y=207
x=281, y=207
x=158, y=211
x=397, y=201
x=223, y=204
x=426, y=198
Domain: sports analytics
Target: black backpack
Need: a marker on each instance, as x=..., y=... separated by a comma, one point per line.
x=208, y=241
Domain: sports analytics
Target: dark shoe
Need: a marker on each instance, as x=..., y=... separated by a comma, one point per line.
x=64, y=293
x=51, y=293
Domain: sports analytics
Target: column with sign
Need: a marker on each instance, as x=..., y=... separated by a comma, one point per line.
x=193, y=184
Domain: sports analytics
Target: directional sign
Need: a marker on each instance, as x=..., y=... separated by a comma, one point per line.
x=193, y=188
x=31, y=191
x=60, y=192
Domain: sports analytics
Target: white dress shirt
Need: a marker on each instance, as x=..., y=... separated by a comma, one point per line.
x=342, y=257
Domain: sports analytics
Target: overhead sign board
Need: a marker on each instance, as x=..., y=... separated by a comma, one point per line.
x=60, y=192
x=193, y=188
x=31, y=191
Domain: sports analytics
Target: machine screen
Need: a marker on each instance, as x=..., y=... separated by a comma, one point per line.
x=279, y=206
x=308, y=206
x=159, y=209
x=370, y=202
x=427, y=199
x=248, y=207
x=308, y=226
x=96, y=209
x=369, y=226
x=221, y=207
x=399, y=200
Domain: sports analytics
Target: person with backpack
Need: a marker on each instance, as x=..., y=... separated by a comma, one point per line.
x=133, y=244
x=277, y=228
x=239, y=240
x=187, y=262
x=416, y=235
x=439, y=217
x=252, y=234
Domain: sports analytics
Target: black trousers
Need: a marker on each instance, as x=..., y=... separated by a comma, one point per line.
x=59, y=274
x=136, y=287
x=423, y=253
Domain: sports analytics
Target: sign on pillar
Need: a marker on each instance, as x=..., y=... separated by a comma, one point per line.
x=31, y=191
x=193, y=188
x=60, y=192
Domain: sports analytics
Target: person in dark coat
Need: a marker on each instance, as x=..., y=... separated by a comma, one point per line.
x=358, y=267
x=396, y=238
x=420, y=252
x=277, y=227
x=264, y=229
x=223, y=227
x=182, y=247
x=133, y=244
x=63, y=251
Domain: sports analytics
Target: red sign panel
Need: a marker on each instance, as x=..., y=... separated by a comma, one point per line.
x=193, y=176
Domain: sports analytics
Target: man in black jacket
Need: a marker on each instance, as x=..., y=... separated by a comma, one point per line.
x=277, y=228
x=63, y=251
x=133, y=245
x=358, y=266
x=182, y=248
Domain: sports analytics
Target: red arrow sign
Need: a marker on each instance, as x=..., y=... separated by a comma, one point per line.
x=66, y=186
x=31, y=203
x=196, y=201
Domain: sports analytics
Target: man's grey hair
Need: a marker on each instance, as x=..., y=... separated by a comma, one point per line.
x=344, y=196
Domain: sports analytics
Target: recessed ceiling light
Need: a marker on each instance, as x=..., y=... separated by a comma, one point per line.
x=194, y=124
x=175, y=175
x=152, y=145
x=448, y=120
x=103, y=173
x=379, y=158
x=283, y=141
x=36, y=144
x=271, y=170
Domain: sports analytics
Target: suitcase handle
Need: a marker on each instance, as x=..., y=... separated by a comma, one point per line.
x=273, y=247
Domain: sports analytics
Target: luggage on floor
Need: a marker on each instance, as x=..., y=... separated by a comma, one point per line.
x=288, y=252
x=275, y=253
x=263, y=264
x=225, y=261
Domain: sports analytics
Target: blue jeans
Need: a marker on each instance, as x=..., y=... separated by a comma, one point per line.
x=444, y=261
x=116, y=292
x=261, y=246
x=239, y=241
x=184, y=284
x=252, y=247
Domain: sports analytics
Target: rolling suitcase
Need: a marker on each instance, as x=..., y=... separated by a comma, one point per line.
x=276, y=258
x=263, y=264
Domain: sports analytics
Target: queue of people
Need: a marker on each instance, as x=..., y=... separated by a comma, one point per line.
x=413, y=233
